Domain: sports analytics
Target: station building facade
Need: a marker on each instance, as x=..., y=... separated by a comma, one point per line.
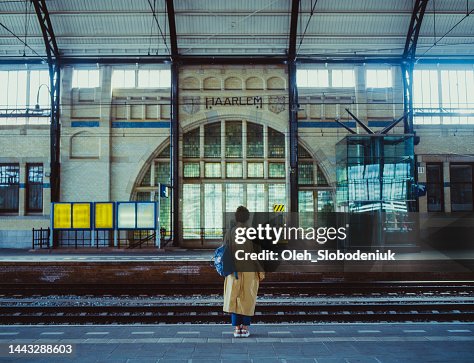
x=233, y=142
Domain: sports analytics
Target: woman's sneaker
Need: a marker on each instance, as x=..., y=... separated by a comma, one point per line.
x=237, y=333
x=244, y=333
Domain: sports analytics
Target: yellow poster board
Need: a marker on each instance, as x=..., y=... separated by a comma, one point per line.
x=62, y=215
x=81, y=215
x=104, y=215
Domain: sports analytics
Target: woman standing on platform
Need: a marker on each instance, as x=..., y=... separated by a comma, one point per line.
x=241, y=288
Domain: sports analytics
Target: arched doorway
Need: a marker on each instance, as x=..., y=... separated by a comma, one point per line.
x=225, y=164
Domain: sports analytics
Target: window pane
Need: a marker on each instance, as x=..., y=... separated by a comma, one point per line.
x=213, y=211
x=254, y=141
x=153, y=78
x=276, y=144
x=93, y=78
x=276, y=195
x=85, y=78
x=434, y=187
x=461, y=188
x=143, y=197
x=255, y=170
x=312, y=78
x=321, y=178
x=349, y=78
x=129, y=78
x=306, y=208
x=305, y=201
x=379, y=78
x=146, y=78
x=123, y=78
x=256, y=198
x=318, y=78
x=4, y=89
x=233, y=139
x=191, y=170
x=425, y=88
x=336, y=78
x=191, y=144
x=146, y=179
x=234, y=196
x=162, y=173
x=34, y=188
x=212, y=140
x=191, y=211
x=9, y=187
x=302, y=78
x=82, y=78
x=325, y=202
x=165, y=78
x=305, y=173
x=343, y=78
x=117, y=78
x=461, y=173
x=212, y=170
x=21, y=90
x=276, y=170
x=35, y=174
x=234, y=170
x=35, y=198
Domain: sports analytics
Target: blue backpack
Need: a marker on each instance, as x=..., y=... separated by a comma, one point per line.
x=223, y=261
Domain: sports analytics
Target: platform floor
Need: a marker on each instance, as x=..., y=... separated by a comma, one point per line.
x=321, y=343
x=92, y=255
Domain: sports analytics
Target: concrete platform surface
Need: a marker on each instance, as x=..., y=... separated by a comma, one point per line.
x=321, y=343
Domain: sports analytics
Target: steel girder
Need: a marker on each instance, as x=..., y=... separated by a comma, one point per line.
x=53, y=57
x=407, y=64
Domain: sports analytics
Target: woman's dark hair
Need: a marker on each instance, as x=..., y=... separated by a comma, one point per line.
x=242, y=214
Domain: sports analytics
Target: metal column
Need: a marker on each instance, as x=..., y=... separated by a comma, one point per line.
x=293, y=136
x=293, y=107
x=174, y=139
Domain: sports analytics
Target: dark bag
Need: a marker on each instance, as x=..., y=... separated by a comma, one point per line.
x=223, y=261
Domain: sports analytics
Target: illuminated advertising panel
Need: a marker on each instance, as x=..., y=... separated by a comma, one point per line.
x=145, y=215
x=62, y=216
x=104, y=215
x=81, y=216
x=126, y=215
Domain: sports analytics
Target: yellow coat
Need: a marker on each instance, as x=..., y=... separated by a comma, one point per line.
x=240, y=295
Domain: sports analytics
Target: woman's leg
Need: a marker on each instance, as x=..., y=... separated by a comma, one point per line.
x=236, y=323
x=245, y=326
x=236, y=319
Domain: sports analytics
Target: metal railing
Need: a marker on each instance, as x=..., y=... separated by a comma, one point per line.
x=41, y=238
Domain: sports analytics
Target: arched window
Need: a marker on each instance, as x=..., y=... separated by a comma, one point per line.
x=229, y=163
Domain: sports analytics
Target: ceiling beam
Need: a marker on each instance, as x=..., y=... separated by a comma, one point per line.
x=172, y=25
x=295, y=7
x=414, y=29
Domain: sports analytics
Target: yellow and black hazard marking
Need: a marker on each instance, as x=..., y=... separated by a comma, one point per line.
x=278, y=207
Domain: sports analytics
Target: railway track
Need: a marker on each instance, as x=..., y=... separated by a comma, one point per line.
x=112, y=314
x=291, y=288
x=278, y=302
